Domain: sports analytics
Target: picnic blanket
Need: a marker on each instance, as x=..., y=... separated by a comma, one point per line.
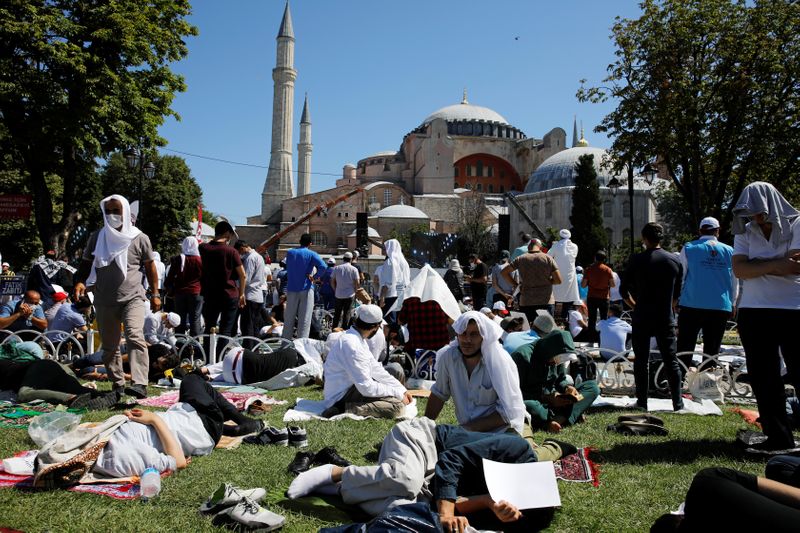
x=19, y=415
x=170, y=398
x=118, y=491
x=306, y=410
x=577, y=468
x=690, y=407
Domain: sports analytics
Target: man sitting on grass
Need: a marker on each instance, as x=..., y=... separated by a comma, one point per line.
x=420, y=461
x=550, y=396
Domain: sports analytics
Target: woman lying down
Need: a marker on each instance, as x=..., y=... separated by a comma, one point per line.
x=125, y=445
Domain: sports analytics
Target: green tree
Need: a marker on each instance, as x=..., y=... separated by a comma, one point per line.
x=473, y=232
x=587, y=216
x=79, y=80
x=709, y=89
x=169, y=202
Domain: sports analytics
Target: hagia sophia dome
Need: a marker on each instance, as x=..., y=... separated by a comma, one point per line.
x=558, y=170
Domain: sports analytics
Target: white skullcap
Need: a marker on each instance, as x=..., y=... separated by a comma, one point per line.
x=564, y=234
x=485, y=310
x=348, y=255
x=371, y=314
x=544, y=323
x=174, y=319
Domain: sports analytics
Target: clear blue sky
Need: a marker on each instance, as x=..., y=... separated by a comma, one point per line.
x=373, y=71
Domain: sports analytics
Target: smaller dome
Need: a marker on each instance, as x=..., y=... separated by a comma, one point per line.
x=371, y=232
x=558, y=170
x=400, y=211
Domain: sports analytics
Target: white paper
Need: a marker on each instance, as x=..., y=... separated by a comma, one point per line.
x=523, y=485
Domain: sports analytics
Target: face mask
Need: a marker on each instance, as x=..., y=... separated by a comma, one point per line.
x=114, y=221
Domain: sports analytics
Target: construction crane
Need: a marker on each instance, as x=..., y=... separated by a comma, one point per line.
x=536, y=229
x=321, y=207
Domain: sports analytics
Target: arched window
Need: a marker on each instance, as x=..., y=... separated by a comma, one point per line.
x=318, y=238
x=534, y=211
x=626, y=234
x=626, y=208
x=372, y=198
x=610, y=236
x=469, y=170
x=491, y=188
x=387, y=197
x=502, y=189
x=479, y=187
x=490, y=171
x=548, y=210
x=479, y=168
x=456, y=172
x=608, y=209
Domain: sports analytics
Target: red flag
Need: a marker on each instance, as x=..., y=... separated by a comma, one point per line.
x=199, y=221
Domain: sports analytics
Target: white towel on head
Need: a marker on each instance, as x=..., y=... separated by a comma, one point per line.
x=189, y=246
x=112, y=245
x=429, y=285
x=395, y=261
x=761, y=197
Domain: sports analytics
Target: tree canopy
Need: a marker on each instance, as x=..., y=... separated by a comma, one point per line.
x=587, y=216
x=79, y=80
x=710, y=89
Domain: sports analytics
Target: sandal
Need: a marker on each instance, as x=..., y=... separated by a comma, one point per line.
x=642, y=418
x=640, y=429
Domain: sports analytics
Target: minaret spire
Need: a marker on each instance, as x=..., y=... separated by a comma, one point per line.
x=464, y=98
x=574, y=131
x=304, y=149
x=278, y=186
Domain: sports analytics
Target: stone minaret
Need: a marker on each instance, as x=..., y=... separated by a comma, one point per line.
x=278, y=186
x=304, y=148
x=574, y=131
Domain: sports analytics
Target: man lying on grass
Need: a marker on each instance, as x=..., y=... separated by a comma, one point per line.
x=420, y=461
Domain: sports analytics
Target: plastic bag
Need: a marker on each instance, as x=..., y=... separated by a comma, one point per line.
x=49, y=426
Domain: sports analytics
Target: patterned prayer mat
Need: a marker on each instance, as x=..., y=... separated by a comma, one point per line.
x=170, y=398
x=19, y=415
x=578, y=468
x=118, y=491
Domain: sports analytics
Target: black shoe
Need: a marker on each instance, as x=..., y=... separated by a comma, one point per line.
x=329, y=456
x=269, y=435
x=80, y=401
x=566, y=447
x=298, y=437
x=137, y=391
x=248, y=427
x=106, y=401
x=772, y=447
x=302, y=461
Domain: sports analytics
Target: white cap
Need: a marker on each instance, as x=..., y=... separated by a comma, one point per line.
x=56, y=288
x=348, y=255
x=331, y=261
x=499, y=305
x=564, y=234
x=709, y=223
x=371, y=314
x=6, y=264
x=485, y=310
x=356, y=254
x=174, y=319
x=544, y=322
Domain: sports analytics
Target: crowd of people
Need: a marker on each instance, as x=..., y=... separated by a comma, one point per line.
x=506, y=381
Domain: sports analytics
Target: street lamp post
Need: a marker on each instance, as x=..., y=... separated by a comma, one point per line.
x=649, y=172
x=133, y=156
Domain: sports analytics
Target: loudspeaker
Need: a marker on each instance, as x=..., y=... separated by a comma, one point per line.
x=362, y=230
x=504, y=232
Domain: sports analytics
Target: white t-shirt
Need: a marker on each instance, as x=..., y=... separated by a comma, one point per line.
x=615, y=295
x=386, y=279
x=133, y=447
x=346, y=276
x=575, y=317
x=613, y=334
x=771, y=292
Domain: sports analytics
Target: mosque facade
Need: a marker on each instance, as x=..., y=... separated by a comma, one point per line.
x=455, y=153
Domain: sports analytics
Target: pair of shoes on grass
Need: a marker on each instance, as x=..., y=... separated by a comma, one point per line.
x=639, y=425
x=291, y=435
x=304, y=460
x=239, y=509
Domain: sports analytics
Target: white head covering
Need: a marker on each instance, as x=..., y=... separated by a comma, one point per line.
x=761, y=197
x=189, y=246
x=565, y=234
x=156, y=257
x=455, y=265
x=401, y=273
x=429, y=285
x=502, y=369
x=112, y=245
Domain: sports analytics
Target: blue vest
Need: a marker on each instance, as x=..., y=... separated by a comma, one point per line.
x=708, y=283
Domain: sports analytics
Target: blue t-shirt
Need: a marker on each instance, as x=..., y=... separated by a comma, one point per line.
x=21, y=323
x=583, y=292
x=519, y=338
x=300, y=263
x=66, y=320
x=709, y=282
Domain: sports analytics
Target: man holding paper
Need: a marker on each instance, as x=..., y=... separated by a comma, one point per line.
x=420, y=461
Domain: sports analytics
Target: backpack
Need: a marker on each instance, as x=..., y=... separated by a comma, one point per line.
x=585, y=367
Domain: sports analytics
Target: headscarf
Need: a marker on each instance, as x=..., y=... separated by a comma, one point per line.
x=761, y=197
x=112, y=245
x=502, y=369
x=428, y=285
x=565, y=234
x=189, y=246
x=401, y=273
x=455, y=266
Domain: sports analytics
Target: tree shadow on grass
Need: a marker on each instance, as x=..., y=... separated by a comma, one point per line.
x=669, y=451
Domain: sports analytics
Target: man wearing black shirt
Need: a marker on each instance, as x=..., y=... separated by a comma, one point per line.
x=477, y=281
x=651, y=286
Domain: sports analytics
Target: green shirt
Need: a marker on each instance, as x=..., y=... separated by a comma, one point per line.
x=536, y=377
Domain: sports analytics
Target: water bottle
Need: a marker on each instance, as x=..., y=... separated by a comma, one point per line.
x=150, y=483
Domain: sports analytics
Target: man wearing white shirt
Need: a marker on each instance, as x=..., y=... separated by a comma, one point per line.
x=355, y=382
x=613, y=333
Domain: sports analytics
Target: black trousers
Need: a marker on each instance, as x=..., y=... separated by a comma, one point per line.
x=251, y=321
x=665, y=337
x=721, y=499
x=341, y=312
x=596, y=305
x=189, y=307
x=222, y=312
x=212, y=407
x=478, y=291
x=691, y=321
x=765, y=334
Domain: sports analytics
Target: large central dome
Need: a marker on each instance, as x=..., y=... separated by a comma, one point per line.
x=466, y=111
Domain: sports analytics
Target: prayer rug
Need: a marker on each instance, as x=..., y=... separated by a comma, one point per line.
x=306, y=410
x=577, y=468
x=19, y=415
x=170, y=398
x=118, y=491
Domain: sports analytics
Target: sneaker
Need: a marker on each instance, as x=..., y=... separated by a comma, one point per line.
x=249, y=516
x=298, y=437
x=227, y=496
x=269, y=435
x=106, y=401
x=80, y=401
x=769, y=448
x=329, y=456
x=302, y=462
x=137, y=391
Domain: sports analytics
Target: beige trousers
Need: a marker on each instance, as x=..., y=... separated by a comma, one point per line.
x=110, y=319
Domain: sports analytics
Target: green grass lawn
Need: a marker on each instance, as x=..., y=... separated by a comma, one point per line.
x=640, y=478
